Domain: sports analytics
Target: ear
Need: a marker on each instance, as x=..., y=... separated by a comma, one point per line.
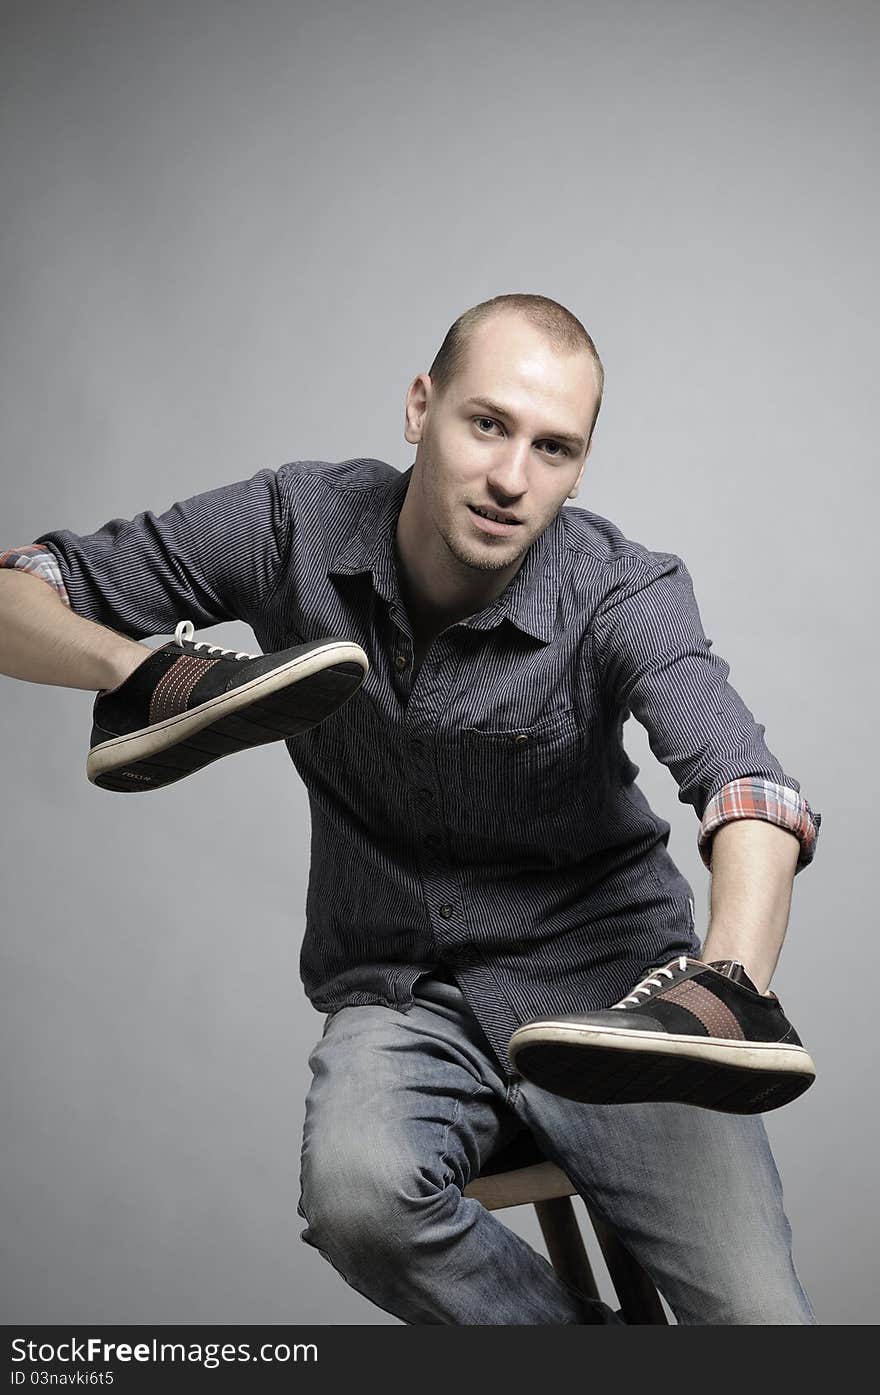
x=418, y=400
x=574, y=489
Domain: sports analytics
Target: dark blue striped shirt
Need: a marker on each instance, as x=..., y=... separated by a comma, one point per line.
x=484, y=816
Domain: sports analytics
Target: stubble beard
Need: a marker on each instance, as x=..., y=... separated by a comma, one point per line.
x=489, y=558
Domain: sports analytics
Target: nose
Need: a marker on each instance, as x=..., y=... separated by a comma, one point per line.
x=508, y=473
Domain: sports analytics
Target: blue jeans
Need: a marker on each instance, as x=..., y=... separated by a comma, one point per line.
x=405, y=1107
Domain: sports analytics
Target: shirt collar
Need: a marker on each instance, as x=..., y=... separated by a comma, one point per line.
x=528, y=601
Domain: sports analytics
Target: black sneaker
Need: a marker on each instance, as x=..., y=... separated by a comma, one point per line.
x=691, y=1032
x=190, y=703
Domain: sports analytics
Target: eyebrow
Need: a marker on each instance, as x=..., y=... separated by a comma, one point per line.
x=498, y=411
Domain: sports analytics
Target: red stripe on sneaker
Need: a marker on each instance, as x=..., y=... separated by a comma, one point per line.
x=173, y=690
x=715, y=1016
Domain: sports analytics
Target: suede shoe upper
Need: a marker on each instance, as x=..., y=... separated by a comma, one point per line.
x=173, y=679
x=691, y=998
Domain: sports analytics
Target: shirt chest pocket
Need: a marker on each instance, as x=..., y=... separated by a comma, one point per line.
x=520, y=770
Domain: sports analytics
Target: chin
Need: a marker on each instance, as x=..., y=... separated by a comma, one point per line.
x=484, y=559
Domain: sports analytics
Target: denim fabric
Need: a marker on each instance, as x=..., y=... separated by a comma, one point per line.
x=403, y=1110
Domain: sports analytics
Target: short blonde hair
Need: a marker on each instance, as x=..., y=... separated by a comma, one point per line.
x=562, y=328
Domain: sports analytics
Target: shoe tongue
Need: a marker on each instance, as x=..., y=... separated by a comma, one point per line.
x=732, y=968
x=669, y=964
x=189, y=647
x=660, y=981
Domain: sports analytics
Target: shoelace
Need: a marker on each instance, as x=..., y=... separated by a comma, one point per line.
x=650, y=982
x=185, y=631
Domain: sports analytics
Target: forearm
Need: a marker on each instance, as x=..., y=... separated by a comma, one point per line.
x=43, y=641
x=753, y=866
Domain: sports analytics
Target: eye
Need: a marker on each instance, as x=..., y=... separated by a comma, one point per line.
x=559, y=451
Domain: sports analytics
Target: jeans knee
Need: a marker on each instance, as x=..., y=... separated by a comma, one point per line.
x=372, y=1217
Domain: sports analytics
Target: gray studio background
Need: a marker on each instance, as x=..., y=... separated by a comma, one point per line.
x=231, y=237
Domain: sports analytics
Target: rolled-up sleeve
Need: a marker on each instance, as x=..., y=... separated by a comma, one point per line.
x=38, y=561
x=657, y=663
x=211, y=557
x=754, y=798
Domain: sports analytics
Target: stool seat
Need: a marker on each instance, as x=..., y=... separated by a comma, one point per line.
x=539, y=1182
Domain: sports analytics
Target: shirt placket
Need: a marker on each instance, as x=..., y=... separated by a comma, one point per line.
x=424, y=702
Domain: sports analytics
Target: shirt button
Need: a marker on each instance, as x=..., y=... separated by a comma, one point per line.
x=446, y=911
x=400, y=660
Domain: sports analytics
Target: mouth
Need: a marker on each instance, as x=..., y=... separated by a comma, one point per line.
x=496, y=521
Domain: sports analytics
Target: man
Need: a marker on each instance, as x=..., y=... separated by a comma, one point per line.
x=482, y=857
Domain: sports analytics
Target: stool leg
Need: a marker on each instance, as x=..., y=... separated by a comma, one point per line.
x=639, y=1299
x=565, y=1244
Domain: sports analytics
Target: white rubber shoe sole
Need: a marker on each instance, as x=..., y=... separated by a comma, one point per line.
x=602, y=1065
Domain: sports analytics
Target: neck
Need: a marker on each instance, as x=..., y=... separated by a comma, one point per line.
x=437, y=589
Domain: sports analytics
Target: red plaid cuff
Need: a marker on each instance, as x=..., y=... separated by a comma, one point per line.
x=753, y=797
x=39, y=561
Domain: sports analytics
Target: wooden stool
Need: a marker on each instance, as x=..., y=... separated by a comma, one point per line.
x=519, y=1175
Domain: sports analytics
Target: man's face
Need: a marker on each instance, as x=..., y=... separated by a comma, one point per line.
x=512, y=457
